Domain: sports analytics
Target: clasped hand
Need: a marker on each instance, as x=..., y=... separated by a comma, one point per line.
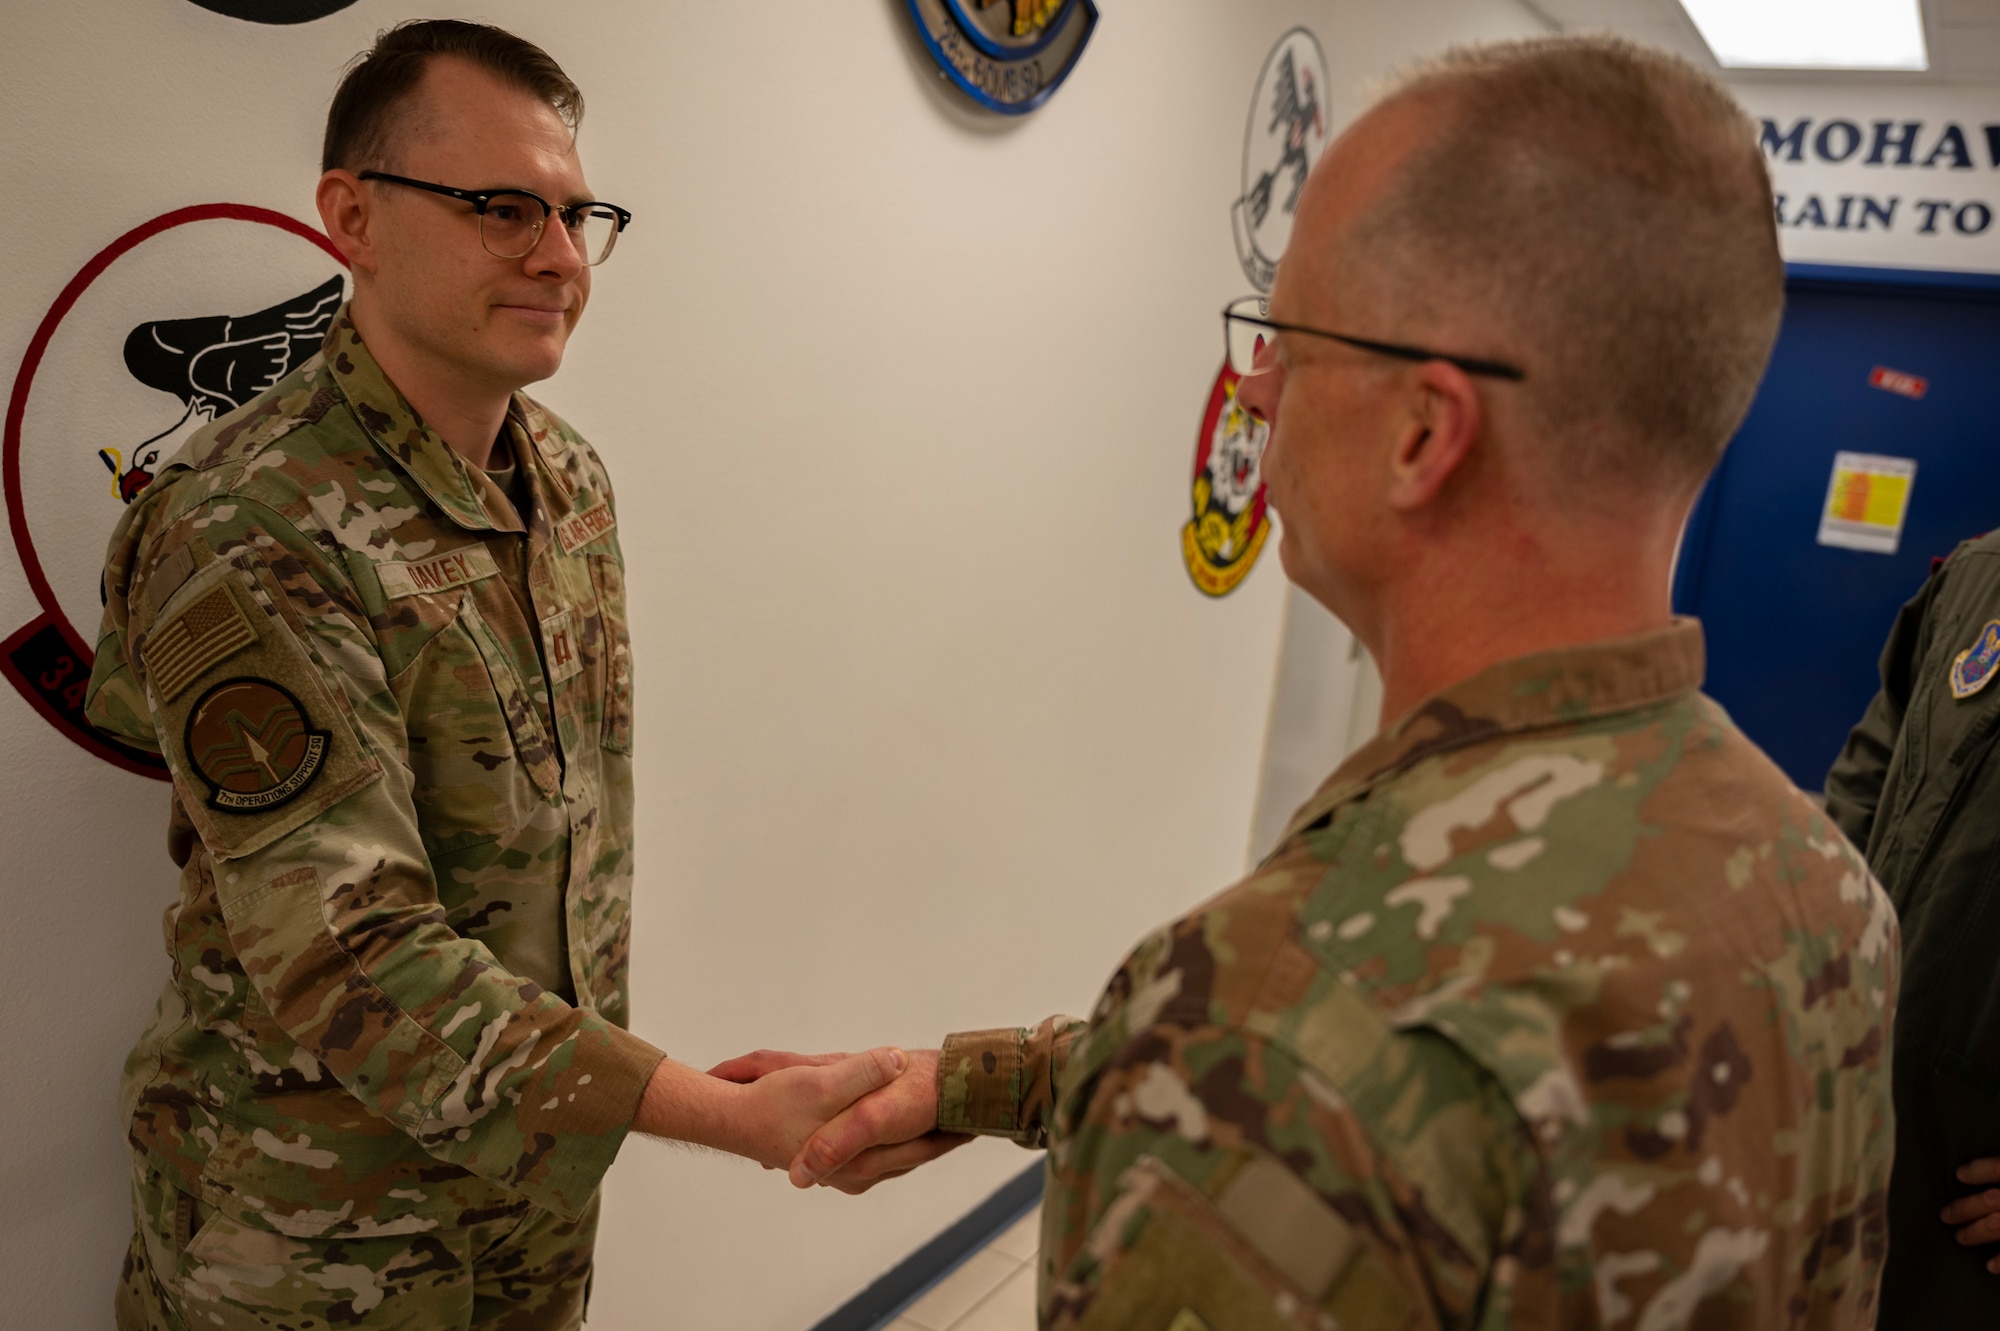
x=1977, y=1216
x=856, y=1122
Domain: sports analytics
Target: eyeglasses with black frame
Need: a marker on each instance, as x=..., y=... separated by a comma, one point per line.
x=511, y=220
x=1247, y=328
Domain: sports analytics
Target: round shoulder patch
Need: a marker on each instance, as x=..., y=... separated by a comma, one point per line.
x=254, y=745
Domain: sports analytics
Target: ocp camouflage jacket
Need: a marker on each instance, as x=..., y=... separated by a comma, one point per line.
x=1557, y=1006
x=399, y=723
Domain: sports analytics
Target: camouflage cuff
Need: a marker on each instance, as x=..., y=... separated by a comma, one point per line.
x=980, y=1082
x=1002, y=1083
x=594, y=1120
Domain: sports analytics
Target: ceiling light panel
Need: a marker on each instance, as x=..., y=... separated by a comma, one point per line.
x=1812, y=34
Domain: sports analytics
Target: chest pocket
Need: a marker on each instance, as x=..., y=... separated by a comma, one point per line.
x=608, y=581
x=481, y=757
x=1266, y=1254
x=1946, y=741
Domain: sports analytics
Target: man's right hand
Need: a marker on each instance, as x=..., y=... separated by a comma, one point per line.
x=767, y=1120
x=1978, y=1216
x=881, y=1137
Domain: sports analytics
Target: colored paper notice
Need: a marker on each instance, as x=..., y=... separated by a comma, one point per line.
x=1867, y=501
x=1895, y=381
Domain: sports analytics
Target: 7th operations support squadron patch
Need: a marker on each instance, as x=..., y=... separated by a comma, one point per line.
x=254, y=745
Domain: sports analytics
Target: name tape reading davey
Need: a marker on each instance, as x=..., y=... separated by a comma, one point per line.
x=580, y=529
x=440, y=573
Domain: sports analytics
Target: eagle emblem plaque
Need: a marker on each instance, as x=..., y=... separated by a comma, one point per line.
x=1288, y=129
x=178, y=321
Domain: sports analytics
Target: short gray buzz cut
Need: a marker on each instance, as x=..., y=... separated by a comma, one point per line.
x=1608, y=207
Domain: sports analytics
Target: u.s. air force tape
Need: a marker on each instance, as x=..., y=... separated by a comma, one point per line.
x=254, y=745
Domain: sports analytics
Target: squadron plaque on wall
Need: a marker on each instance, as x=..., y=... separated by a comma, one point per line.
x=1289, y=128
x=176, y=322
x=1231, y=521
x=1007, y=55
x=1287, y=132
x=274, y=11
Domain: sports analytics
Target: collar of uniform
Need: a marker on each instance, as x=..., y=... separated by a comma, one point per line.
x=393, y=423
x=551, y=455
x=1558, y=688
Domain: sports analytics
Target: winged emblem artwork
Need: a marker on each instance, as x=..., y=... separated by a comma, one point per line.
x=1295, y=118
x=1287, y=131
x=214, y=364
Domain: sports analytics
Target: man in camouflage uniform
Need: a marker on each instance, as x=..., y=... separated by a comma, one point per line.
x=375, y=623
x=1556, y=1006
x=1916, y=787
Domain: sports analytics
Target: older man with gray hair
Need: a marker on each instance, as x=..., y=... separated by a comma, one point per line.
x=1557, y=1005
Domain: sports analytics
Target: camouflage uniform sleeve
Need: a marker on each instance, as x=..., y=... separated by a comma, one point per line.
x=1854, y=785
x=1004, y=1083
x=326, y=889
x=115, y=703
x=1213, y=1175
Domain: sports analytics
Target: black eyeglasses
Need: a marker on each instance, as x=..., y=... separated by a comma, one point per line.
x=511, y=220
x=1246, y=330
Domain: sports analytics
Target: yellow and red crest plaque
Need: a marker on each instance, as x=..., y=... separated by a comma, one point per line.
x=1232, y=518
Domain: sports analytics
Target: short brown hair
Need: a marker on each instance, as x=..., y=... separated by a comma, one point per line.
x=361, y=122
x=1607, y=207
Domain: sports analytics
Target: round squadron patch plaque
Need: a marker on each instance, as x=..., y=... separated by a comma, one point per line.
x=1007, y=55
x=275, y=11
x=253, y=744
x=1231, y=519
x=1288, y=130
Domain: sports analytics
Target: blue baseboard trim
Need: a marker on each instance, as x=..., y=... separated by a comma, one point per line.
x=901, y=1285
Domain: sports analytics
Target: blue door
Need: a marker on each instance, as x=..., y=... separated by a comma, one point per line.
x=1865, y=365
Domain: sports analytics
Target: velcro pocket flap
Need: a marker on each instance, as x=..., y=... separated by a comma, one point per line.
x=1267, y=1254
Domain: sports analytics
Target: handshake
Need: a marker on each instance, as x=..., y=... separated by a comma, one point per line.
x=845, y=1121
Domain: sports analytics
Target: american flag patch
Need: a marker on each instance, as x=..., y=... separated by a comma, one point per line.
x=208, y=631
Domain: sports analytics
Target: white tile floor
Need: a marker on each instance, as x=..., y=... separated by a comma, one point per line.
x=994, y=1290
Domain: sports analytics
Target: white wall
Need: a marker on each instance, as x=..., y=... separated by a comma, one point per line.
x=901, y=404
